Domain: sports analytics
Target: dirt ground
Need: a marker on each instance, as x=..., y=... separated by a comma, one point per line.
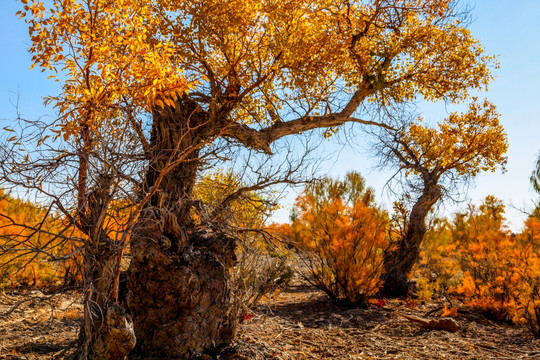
x=302, y=324
x=39, y=326
x=299, y=324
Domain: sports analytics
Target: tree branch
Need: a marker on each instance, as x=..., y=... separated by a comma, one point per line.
x=262, y=139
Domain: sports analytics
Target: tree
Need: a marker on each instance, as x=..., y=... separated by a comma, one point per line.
x=258, y=71
x=341, y=235
x=535, y=177
x=96, y=223
x=437, y=159
x=535, y=182
x=110, y=72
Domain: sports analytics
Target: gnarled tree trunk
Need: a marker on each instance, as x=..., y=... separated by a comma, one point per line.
x=180, y=300
x=107, y=332
x=178, y=279
x=400, y=258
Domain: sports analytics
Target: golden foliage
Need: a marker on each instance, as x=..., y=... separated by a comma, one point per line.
x=107, y=55
x=35, y=248
x=226, y=197
x=485, y=254
x=261, y=55
x=39, y=248
x=465, y=143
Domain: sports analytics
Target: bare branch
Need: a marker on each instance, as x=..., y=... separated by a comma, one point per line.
x=262, y=139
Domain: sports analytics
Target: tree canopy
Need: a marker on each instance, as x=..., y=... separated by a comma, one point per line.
x=457, y=148
x=261, y=70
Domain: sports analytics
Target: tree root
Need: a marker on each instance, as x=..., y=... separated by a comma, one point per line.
x=446, y=324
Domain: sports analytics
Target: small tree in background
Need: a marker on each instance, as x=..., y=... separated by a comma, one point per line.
x=535, y=176
x=341, y=235
x=433, y=160
x=535, y=182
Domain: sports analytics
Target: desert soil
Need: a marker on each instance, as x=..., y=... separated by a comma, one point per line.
x=298, y=324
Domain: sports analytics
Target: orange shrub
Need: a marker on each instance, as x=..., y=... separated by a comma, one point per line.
x=528, y=298
x=31, y=253
x=436, y=271
x=486, y=255
x=342, y=235
x=479, y=260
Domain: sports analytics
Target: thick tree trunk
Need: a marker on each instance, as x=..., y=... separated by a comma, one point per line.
x=178, y=279
x=180, y=299
x=107, y=332
x=400, y=258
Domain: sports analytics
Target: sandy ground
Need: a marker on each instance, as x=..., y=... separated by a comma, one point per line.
x=41, y=326
x=302, y=324
x=299, y=324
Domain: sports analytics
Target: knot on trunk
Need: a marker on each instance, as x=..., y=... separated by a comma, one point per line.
x=117, y=337
x=217, y=243
x=119, y=330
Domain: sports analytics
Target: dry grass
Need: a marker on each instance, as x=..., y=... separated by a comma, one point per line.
x=40, y=328
x=301, y=324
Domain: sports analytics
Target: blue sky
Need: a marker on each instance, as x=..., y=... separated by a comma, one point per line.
x=509, y=28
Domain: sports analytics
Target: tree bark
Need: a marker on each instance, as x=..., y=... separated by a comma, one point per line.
x=178, y=279
x=107, y=332
x=180, y=300
x=400, y=257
